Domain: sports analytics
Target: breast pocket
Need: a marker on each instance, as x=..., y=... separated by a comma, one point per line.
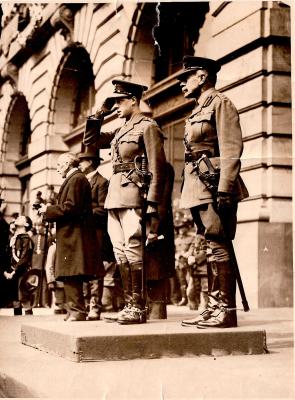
x=130, y=145
x=202, y=126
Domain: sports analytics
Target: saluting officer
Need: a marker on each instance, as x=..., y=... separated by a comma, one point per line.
x=139, y=140
x=213, y=129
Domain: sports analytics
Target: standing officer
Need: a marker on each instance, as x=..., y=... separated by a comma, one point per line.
x=99, y=187
x=135, y=147
x=75, y=234
x=213, y=129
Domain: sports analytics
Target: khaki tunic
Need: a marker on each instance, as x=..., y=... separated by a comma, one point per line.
x=140, y=135
x=213, y=126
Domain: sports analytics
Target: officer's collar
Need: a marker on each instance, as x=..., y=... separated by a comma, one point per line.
x=204, y=96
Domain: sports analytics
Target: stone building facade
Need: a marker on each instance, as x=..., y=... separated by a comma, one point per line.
x=56, y=65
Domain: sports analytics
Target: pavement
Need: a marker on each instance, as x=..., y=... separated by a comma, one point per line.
x=29, y=373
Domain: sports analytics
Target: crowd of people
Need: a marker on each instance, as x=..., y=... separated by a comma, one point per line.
x=28, y=263
x=124, y=231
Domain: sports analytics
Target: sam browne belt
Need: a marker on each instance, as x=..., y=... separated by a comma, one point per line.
x=196, y=155
x=123, y=167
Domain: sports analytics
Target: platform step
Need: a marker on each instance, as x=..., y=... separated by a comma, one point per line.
x=101, y=341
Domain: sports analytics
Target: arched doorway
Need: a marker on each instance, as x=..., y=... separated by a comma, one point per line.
x=73, y=96
x=16, y=171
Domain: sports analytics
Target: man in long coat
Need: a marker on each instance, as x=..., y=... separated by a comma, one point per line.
x=75, y=234
x=89, y=162
x=136, y=147
x=213, y=129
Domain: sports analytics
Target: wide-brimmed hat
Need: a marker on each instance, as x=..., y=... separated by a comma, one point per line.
x=127, y=89
x=192, y=63
x=89, y=155
x=30, y=280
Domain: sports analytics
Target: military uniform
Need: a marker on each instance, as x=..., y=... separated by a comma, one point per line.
x=137, y=142
x=213, y=129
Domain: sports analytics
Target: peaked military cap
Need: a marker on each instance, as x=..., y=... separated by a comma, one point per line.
x=127, y=89
x=191, y=63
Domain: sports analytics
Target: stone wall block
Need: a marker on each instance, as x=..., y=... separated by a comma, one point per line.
x=236, y=36
x=253, y=152
x=279, y=150
x=279, y=58
x=275, y=265
x=253, y=122
x=233, y=14
x=240, y=68
x=278, y=22
x=279, y=182
x=279, y=119
x=37, y=146
x=253, y=92
x=279, y=89
x=255, y=181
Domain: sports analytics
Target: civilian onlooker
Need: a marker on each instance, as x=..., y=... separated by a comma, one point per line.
x=75, y=234
x=21, y=261
x=40, y=239
x=4, y=258
x=89, y=162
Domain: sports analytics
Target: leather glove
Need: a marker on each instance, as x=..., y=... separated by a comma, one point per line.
x=106, y=107
x=224, y=200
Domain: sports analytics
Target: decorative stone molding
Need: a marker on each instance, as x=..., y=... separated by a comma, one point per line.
x=9, y=72
x=63, y=19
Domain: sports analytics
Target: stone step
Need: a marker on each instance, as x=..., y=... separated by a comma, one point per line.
x=101, y=341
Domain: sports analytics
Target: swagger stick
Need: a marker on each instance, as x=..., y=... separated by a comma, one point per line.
x=45, y=250
x=146, y=177
x=210, y=178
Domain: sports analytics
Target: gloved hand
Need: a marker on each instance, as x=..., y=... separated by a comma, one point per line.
x=106, y=107
x=224, y=200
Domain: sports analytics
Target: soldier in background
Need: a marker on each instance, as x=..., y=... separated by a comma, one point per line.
x=135, y=148
x=197, y=291
x=183, y=243
x=213, y=129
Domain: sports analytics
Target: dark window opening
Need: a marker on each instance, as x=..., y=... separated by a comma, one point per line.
x=83, y=83
x=25, y=136
x=176, y=33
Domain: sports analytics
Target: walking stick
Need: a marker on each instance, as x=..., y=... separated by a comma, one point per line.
x=45, y=250
x=146, y=178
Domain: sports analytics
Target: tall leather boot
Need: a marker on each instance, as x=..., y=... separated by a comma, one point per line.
x=125, y=272
x=225, y=316
x=157, y=299
x=95, y=304
x=137, y=313
x=213, y=294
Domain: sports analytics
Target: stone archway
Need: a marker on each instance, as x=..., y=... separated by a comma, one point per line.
x=15, y=175
x=72, y=96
